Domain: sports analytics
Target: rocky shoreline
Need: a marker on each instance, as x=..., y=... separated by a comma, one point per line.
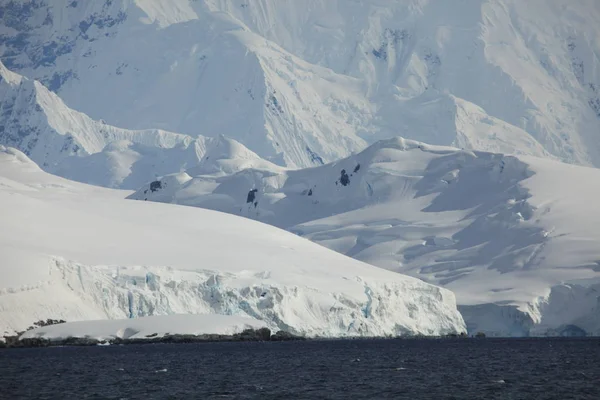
x=248, y=335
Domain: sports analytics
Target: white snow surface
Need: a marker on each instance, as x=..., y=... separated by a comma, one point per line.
x=305, y=82
x=70, y=144
x=295, y=84
x=514, y=236
x=144, y=327
x=77, y=252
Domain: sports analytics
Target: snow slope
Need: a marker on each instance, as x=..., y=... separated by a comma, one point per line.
x=141, y=328
x=70, y=144
x=515, y=238
x=77, y=252
x=305, y=82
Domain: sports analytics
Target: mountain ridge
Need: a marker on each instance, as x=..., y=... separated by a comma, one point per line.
x=70, y=144
x=302, y=84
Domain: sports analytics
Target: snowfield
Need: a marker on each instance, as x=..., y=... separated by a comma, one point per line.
x=77, y=252
x=144, y=327
x=515, y=238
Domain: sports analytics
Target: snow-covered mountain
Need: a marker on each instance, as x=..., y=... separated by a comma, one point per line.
x=77, y=252
x=70, y=144
x=302, y=82
x=258, y=88
x=515, y=238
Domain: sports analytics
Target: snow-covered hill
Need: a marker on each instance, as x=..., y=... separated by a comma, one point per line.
x=70, y=144
x=77, y=252
x=515, y=238
x=301, y=82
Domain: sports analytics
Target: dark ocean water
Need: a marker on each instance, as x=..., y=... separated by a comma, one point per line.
x=351, y=369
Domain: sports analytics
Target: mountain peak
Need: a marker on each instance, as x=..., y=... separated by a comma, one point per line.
x=267, y=76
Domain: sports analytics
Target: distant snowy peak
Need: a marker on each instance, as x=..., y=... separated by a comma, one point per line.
x=302, y=84
x=223, y=156
x=208, y=72
x=70, y=144
x=36, y=121
x=533, y=65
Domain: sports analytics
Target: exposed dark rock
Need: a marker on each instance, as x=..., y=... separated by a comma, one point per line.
x=314, y=157
x=48, y=322
x=284, y=336
x=41, y=323
x=58, y=79
x=380, y=53
x=12, y=340
x=156, y=185
x=164, y=339
x=75, y=341
x=310, y=192
x=344, y=178
x=30, y=342
x=480, y=335
x=262, y=334
x=253, y=335
x=274, y=105
x=251, y=196
x=356, y=168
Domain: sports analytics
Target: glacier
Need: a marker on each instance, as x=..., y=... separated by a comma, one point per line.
x=514, y=237
x=78, y=252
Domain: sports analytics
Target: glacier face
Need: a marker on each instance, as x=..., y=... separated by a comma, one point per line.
x=301, y=83
x=492, y=228
x=78, y=252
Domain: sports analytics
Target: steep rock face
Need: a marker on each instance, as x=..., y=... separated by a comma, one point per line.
x=78, y=252
x=492, y=228
x=301, y=83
